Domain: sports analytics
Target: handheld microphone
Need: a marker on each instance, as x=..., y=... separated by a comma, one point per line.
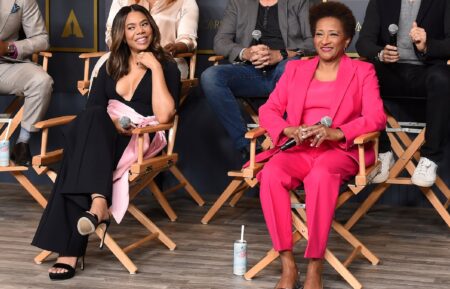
x=326, y=121
x=125, y=122
x=256, y=35
x=393, y=29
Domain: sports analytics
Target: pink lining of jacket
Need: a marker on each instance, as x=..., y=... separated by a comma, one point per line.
x=120, y=191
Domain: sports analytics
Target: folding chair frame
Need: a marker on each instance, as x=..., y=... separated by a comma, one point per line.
x=141, y=174
x=15, y=108
x=246, y=178
x=406, y=150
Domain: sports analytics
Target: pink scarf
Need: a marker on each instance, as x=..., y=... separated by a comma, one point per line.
x=120, y=191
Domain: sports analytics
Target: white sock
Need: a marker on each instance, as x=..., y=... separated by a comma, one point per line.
x=24, y=136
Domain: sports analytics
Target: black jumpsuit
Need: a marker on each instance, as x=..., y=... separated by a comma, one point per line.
x=92, y=150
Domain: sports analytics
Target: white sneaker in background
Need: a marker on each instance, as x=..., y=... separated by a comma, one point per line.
x=425, y=173
x=387, y=161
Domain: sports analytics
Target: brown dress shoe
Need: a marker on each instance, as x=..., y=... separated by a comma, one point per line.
x=21, y=154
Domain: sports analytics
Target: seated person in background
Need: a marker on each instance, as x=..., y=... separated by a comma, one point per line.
x=333, y=85
x=415, y=66
x=139, y=77
x=256, y=67
x=18, y=75
x=176, y=19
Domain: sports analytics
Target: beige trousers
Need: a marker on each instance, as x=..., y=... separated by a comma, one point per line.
x=31, y=81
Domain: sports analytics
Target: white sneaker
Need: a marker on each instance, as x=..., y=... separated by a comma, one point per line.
x=387, y=161
x=425, y=173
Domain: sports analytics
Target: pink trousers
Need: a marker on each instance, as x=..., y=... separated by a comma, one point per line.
x=322, y=171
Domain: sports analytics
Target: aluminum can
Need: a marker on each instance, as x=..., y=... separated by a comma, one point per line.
x=240, y=257
x=4, y=153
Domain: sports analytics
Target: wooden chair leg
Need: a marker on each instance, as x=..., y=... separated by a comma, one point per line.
x=41, y=257
x=443, y=187
x=31, y=189
x=118, y=252
x=268, y=259
x=271, y=256
x=349, y=237
x=237, y=196
x=436, y=203
x=188, y=187
x=366, y=205
x=329, y=256
x=15, y=122
x=145, y=221
x=342, y=270
x=447, y=204
x=230, y=190
x=162, y=201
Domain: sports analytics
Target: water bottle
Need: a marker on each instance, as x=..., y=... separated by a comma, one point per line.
x=4, y=153
x=240, y=257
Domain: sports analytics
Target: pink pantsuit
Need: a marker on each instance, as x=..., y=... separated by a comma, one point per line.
x=356, y=108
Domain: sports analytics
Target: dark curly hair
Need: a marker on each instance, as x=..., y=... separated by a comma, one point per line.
x=117, y=65
x=336, y=10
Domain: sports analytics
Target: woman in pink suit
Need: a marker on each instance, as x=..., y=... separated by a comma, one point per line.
x=333, y=85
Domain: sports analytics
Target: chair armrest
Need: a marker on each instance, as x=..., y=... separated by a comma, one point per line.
x=365, y=138
x=216, y=59
x=49, y=157
x=46, y=54
x=365, y=174
x=92, y=55
x=83, y=85
x=171, y=127
x=150, y=129
x=184, y=54
x=54, y=121
x=256, y=132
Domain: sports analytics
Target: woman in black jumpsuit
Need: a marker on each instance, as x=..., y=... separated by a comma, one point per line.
x=139, y=74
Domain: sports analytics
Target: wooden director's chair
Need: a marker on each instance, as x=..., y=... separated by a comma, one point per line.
x=407, y=152
x=187, y=85
x=15, y=109
x=246, y=178
x=141, y=175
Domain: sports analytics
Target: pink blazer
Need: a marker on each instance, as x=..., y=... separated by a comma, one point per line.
x=357, y=107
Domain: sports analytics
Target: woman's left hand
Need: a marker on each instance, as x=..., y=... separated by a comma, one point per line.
x=319, y=133
x=148, y=60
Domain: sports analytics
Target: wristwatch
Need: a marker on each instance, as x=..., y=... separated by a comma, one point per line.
x=11, y=49
x=284, y=53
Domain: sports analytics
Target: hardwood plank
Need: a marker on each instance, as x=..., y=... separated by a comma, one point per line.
x=412, y=243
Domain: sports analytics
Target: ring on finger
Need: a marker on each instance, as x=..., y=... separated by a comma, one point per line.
x=318, y=136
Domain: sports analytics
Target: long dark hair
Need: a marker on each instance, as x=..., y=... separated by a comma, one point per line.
x=117, y=65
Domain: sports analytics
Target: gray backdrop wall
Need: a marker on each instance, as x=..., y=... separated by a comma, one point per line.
x=205, y=150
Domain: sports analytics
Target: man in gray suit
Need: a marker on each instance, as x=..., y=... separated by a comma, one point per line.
x=18, y=75
x=257, y=64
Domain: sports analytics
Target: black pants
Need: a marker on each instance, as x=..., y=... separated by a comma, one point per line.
x=430, y=82
x=92, y=151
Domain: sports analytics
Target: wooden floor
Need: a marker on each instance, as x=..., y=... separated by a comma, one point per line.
x=413, y=244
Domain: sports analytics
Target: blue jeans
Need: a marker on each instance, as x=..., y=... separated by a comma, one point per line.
x=223, y=83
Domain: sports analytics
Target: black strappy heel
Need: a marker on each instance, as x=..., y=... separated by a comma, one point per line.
x=89, y=222
x=69, y=273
